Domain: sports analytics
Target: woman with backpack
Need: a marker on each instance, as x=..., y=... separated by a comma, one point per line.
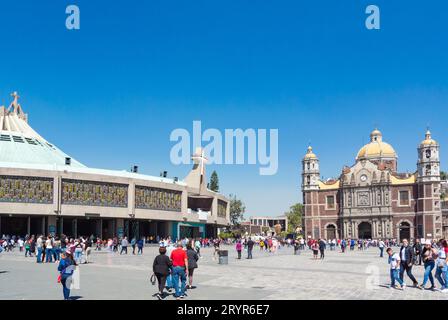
x=161, y=267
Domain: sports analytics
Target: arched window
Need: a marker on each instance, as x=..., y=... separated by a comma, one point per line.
x=428, y=153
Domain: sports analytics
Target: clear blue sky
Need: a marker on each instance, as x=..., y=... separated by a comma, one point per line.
x=111, y=93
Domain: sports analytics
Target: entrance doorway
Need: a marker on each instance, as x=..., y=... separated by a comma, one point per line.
x=331, y=232
x=14, y=226
x=365, y=230
x=405, y=230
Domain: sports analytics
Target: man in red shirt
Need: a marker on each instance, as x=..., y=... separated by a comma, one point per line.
x=180, y=264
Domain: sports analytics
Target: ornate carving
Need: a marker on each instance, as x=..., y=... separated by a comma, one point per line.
x=363, y=198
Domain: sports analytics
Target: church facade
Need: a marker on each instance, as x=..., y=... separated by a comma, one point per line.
x=371, y=199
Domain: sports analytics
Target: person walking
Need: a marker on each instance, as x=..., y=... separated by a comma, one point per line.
x=161, y=268
x=441, y=266
x=381, y=246
x=197, y=246
x=238, y=248
x=394, y=261
x=28, y=248
x=418, y=252
x=250, y=247
x=133, y=244
x=322, y=246
x=124, y=245
x=66, y=268
x=315, y=249
x=429, y=254
x=180, y=265
x=406, y=261
x=193, y=258
x=57, y=249
x=140, y=244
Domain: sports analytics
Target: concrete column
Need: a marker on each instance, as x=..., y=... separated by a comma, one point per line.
x=43, y=226
x=61, y=226
x=51, y=221
x=373, y=229
x=100, y=232
x=28, y=226
x=75, y=227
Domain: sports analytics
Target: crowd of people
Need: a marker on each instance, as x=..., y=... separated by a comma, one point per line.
x=174, y=266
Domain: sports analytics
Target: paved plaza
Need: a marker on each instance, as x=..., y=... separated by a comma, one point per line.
x=267, y=276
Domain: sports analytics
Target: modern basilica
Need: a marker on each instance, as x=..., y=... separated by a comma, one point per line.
x=371, y=199
x=45, y=191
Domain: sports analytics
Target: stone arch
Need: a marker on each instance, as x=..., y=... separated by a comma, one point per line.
x=331, y=231
x=404, y=229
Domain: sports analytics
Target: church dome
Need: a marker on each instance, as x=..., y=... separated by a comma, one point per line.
x=376, y=148
x=310, y=154
x=428, y=140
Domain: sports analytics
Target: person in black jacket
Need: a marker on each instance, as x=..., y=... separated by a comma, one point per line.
x=161, y=268
x=418, y=252
x=193, y=258
x=406, y=261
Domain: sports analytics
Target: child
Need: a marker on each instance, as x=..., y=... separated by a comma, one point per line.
x=394, y=261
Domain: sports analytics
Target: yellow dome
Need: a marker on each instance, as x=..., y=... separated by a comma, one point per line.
x=428, y=140
x=376, y=148
x=310, y=154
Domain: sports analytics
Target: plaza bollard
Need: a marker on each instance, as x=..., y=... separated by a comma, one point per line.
x=223, y=257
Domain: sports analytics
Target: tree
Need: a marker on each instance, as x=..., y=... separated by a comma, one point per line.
x=237, y=210
x=443, y=175
x=214, y=182
x=294, y=216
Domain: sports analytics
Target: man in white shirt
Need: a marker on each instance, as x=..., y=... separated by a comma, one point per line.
x=381, y=245
x=39, y=242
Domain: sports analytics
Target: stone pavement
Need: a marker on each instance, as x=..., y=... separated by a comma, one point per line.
x=353, y=275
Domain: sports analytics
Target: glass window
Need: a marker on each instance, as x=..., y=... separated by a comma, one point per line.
x=404, y=198
x=330, y=202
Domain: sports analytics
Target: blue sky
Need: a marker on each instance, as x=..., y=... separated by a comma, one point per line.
x=111, y=93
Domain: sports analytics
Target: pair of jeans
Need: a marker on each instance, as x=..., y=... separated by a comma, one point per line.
x=65, y=288
x=39, y=255
x=140, y=250
x=27, y=252
x=239, y=254
x=394, y=276
x=428, y=273
x=322, y=253
x=405, y=267
x=381, y=251
x=125, y=249
x=78, y=255
x=179, y=274
x=441, y=276
x=57, y=254
x=48, y=255
x=249, y=253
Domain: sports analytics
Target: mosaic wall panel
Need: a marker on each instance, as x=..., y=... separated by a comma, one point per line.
x=158, y=199
x=26, y=189
x=222, y=209
x=89, y=193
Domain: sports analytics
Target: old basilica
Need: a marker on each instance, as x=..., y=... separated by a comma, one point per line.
x=371, y=199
